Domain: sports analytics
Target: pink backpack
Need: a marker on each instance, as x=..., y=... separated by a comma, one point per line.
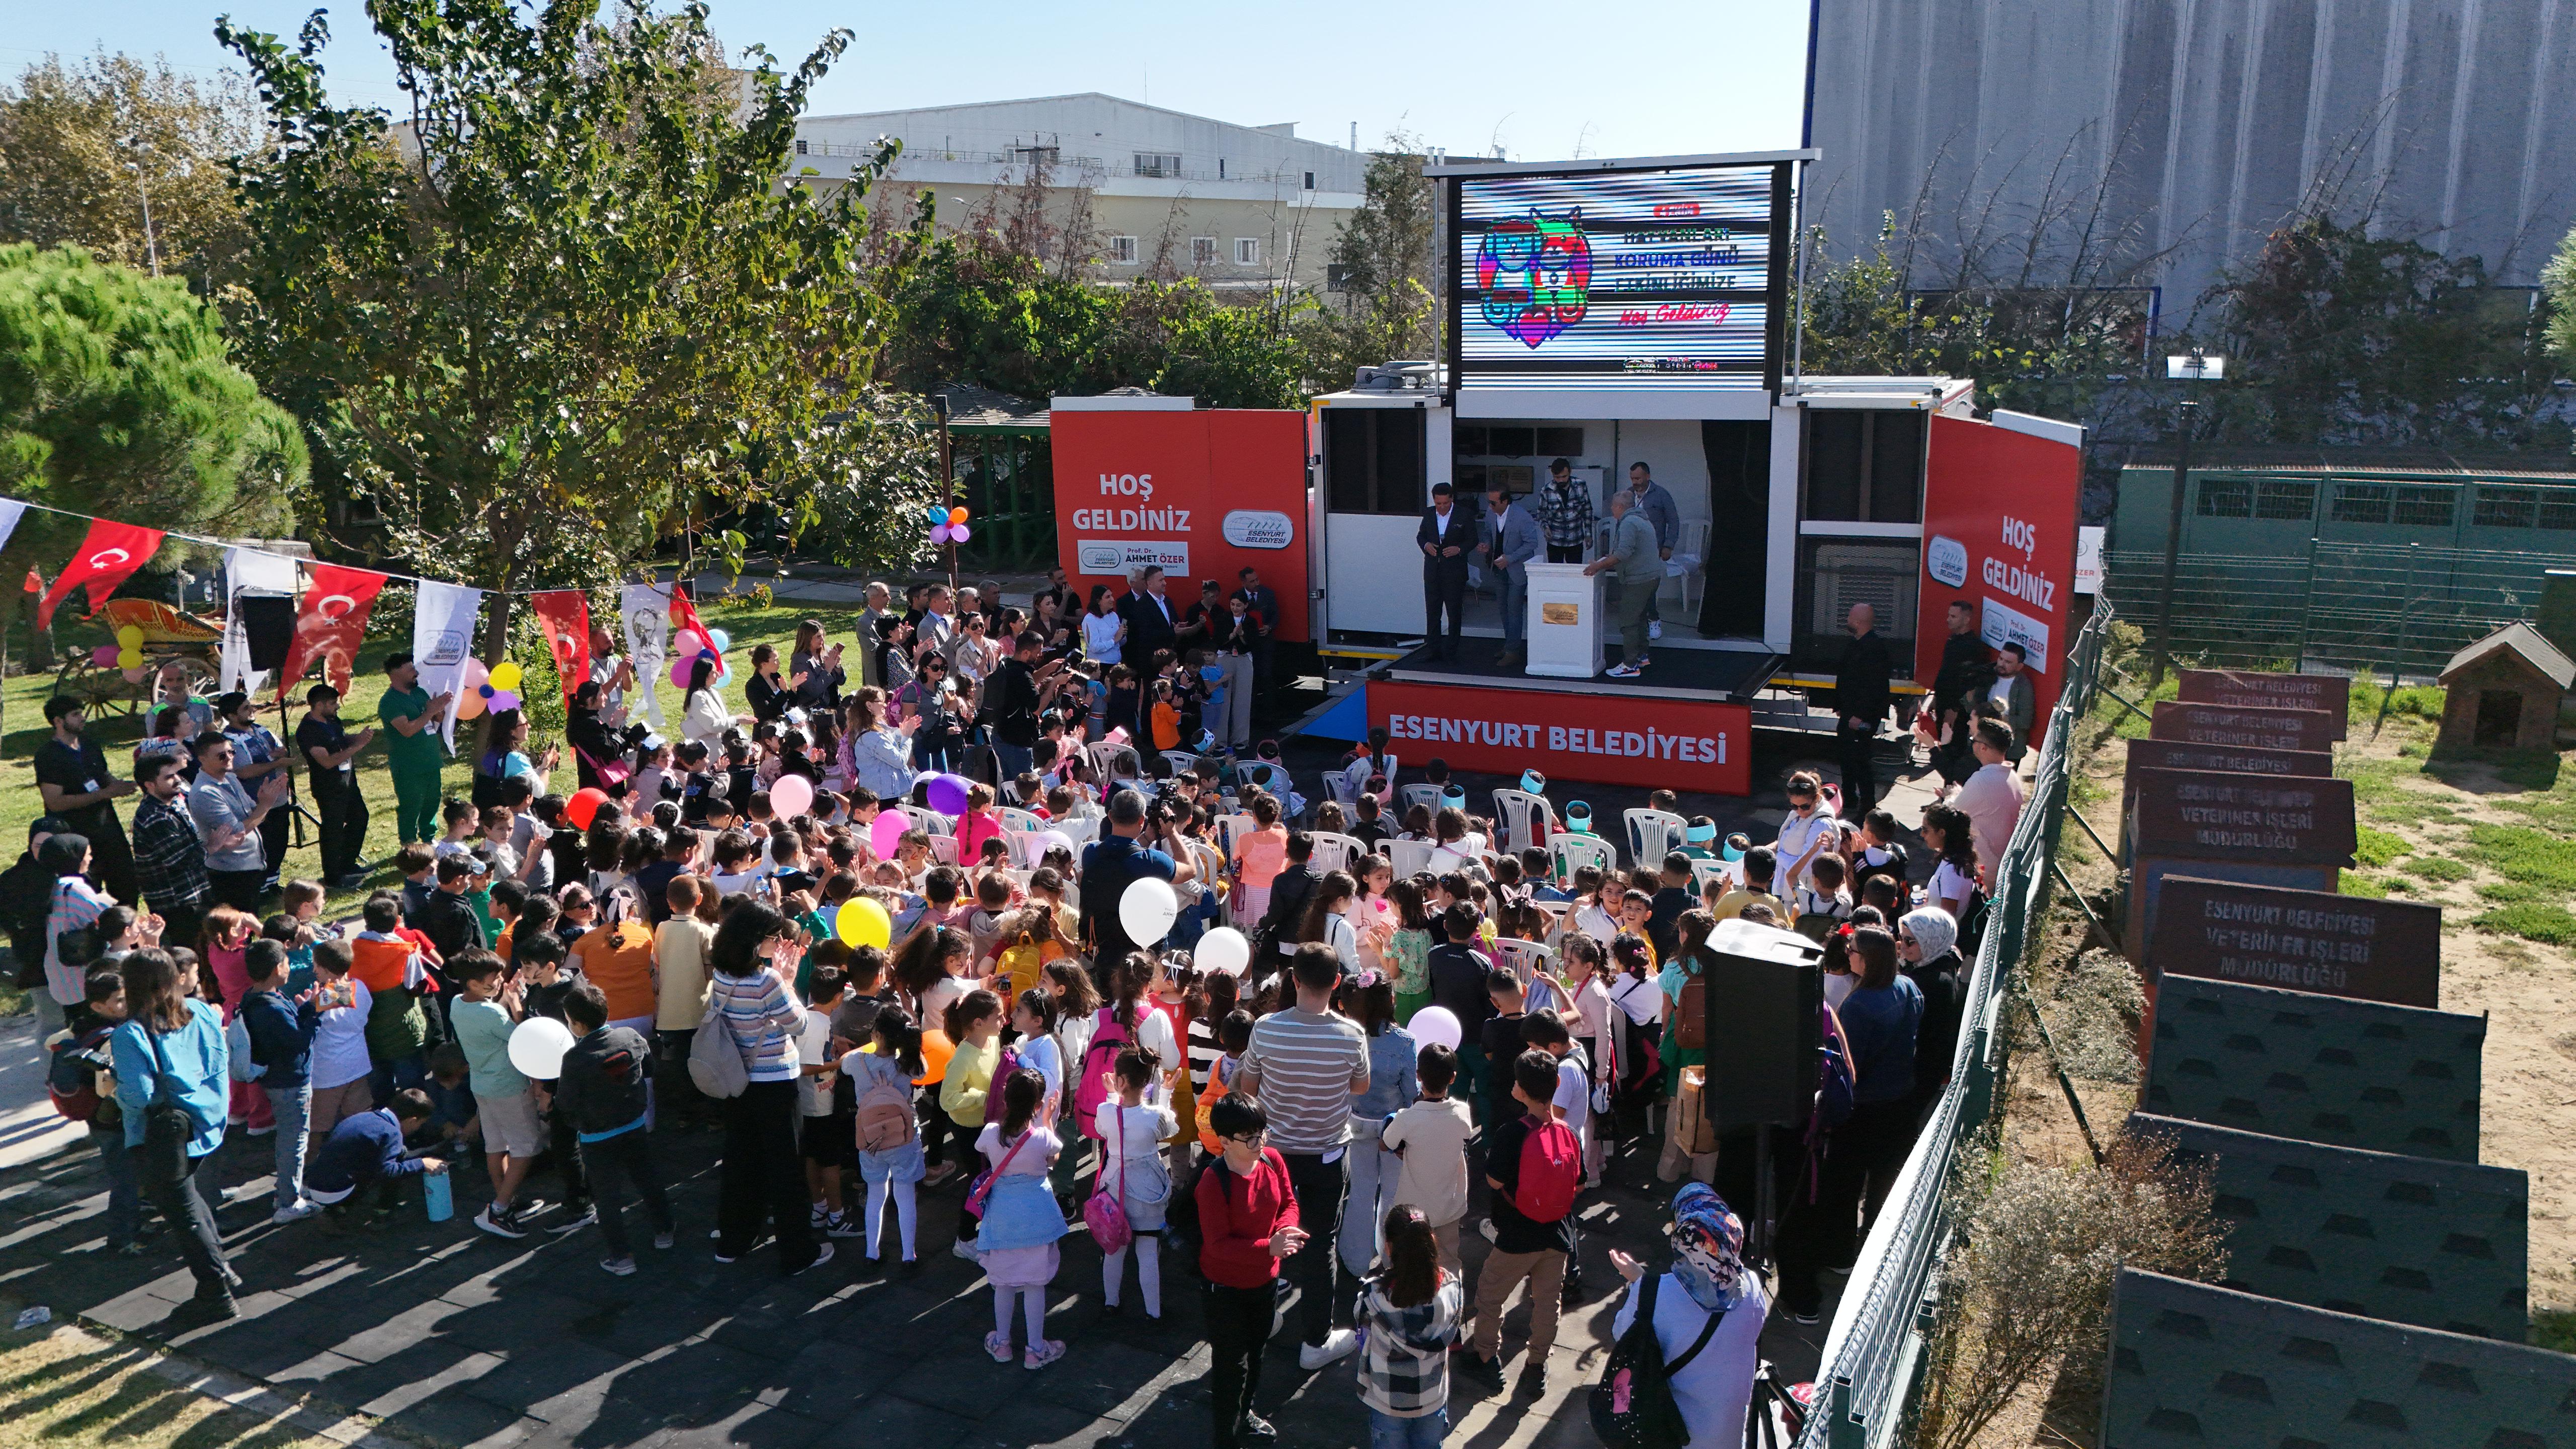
x=1092, y=1087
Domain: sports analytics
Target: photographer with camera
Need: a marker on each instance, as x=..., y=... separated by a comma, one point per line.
x=1016, y=695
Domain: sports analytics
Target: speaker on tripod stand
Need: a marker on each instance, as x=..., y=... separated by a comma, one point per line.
x=1767, y=988
x=267, y=624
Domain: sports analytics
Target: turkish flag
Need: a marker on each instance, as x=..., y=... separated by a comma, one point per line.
x=684, y=616
x=331, y=623
x=564, y=615
x=108, y=556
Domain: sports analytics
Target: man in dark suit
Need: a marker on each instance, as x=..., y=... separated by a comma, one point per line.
x=1152, y=622
x=1860, y=703
x=1446, y=535
x=1261, y=605
x=1963, y=675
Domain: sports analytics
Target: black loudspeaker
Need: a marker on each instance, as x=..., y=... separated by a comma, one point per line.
x=268, y=624
x=1765, y=988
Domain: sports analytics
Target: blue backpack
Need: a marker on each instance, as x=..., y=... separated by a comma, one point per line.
x=1837, y=1082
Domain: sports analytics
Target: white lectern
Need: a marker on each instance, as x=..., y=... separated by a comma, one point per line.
x=1565, y=617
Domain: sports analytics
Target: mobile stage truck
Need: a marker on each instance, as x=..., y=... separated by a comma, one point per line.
x=1611, y=313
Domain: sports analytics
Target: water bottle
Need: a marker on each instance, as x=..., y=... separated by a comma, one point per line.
x=441, y=1198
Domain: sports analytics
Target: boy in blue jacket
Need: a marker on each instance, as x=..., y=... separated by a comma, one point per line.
x=281, y=1043
x=368, y=1148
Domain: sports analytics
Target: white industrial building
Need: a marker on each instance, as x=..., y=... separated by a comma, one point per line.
x=1168, y=194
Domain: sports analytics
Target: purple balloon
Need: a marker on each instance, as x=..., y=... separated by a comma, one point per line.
x=939, y=533
x=957, y=533
x=948, y=794
x=505, y=699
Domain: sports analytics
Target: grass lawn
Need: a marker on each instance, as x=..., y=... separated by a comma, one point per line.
x=65, y=1390
x=23, y=698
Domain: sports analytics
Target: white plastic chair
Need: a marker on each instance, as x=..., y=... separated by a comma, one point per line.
x=1526, y=959
x=1520, y=812
x=943, y=849
x=930, y=820
x=1651, y=833
x=1704, y=871
x=1027, y=847
x=1568, y=853
x=1409, y=857
x=1269, y=777
x=1227, y=827
x=1335, y=851
x=1408, y=796
x=1182, y=761
x=1015, y=819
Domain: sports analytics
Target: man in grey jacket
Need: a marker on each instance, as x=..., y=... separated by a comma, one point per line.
x=1512, y=539
x=1632, y=553
x=1656, y=502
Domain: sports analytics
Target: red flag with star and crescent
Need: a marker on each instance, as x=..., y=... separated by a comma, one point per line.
x=331, y=623
x=108, y=556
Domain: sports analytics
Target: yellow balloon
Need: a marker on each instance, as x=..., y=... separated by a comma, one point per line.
x=505, y=675
x=129, y=657
x=130, y=636
x=862, y=922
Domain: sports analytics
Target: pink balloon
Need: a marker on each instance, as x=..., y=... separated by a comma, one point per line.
x=472, y=675
x=886, y=832
x=690, y=643
x=681, y=666
x=958, y=533
x=104, y=655
x=791, y=796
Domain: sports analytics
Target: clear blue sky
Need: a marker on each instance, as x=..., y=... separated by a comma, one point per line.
x=1724, y=76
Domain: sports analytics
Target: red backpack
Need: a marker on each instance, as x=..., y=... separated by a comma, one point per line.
x=1551, y=1168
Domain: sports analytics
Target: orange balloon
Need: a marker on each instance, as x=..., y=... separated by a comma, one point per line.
x=936, y=1049
x=956, y=516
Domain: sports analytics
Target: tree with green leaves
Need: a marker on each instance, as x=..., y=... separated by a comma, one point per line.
x=119, y=397
x=565, y=308
x=2558, y=286
x=1385, y=308
x=85, y=149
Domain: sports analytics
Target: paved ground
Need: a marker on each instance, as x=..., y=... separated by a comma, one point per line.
x=453, y=1336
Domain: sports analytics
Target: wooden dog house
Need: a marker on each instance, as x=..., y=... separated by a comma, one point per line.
x=2505, y=691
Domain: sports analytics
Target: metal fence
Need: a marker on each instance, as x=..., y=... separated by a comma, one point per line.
x=1872, y=1374
x=2364, y=608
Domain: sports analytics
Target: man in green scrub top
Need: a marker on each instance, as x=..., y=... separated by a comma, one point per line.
x=412, y=717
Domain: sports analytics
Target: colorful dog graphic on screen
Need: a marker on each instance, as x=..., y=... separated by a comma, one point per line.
x=1535, y=274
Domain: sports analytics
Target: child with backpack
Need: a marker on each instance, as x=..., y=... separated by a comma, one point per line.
x=1408, y=1318
x=888, y=1135
x=1016, y=1243
x=1133, y=1125
x=80, y=1078
x=1532, y=1164
x=279, y=1033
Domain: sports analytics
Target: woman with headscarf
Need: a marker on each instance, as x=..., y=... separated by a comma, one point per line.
x=1708, y=1307
x=1927, y=951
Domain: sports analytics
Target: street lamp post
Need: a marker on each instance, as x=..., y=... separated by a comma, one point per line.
x=2193, y=367
x=151, y=241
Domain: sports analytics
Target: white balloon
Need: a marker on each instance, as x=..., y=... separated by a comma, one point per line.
x=1223, y=950
x=537, y=1047
x=1436, y=1024
x=1147, y=910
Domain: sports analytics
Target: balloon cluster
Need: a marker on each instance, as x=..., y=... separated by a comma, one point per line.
x=493, y=687
x=948, y=525
x=129, y=653
x=689, y=646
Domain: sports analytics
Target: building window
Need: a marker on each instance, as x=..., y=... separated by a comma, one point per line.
x=2558, y=510
x=2362, y=502
x=1122, y=250
x=1247, y=251
x=800, y=145
x=2285, y=498
x=1157, y=163
x=2226, y=498
x=1202, y=251
x=2425, y=507
x=1310, y=181
x=2506, y=507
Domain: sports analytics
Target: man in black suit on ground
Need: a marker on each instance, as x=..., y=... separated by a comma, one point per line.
x=1860, y=703
x=1152, y=622
x=1446, y=534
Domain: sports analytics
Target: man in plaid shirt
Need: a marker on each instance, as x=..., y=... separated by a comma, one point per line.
x=169, y=857
x=1565, y=510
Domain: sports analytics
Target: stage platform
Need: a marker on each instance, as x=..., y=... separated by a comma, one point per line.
x=1711, y=675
